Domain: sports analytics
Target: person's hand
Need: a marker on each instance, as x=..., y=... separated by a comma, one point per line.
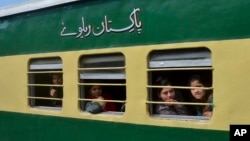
x=102, y=103
x=208, y=113
x=170, y=100
x=53, y=92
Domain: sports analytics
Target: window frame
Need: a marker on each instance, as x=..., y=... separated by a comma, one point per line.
x=178, y=59
x=40, y=67
x=100, y=67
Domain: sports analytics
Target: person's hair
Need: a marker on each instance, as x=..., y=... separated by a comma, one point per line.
x=198, y=78
x=162, y=81
x=59, y=74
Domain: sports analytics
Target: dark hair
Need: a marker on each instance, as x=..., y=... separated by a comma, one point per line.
x=59, y=74
x=202, y=80
x=162, y=81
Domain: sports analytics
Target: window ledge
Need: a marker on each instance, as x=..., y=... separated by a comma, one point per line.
x=48, y=108
x=182, y=117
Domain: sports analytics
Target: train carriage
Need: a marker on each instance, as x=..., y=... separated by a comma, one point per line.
x=123, y=46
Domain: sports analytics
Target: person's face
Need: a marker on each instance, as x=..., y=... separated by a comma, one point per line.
x=167, y=94
x=96, y=91
x=197, y=93
x=57, y=79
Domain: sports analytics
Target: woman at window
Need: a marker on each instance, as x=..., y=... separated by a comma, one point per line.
x=200, y=95
x=168, y=94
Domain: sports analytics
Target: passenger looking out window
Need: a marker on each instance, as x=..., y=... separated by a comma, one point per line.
x=55, y=91
x=168, y=94
x=198, y=94
x=178, y=65
x=96, y=92
x=102, y=78
x=45, y=83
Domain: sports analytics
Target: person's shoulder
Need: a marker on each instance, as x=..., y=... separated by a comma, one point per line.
x=161, y=107
x=210, y=98
x=106, y=96
x=90, y=97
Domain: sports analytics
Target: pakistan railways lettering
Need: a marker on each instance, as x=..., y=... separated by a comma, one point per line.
x=85, y=31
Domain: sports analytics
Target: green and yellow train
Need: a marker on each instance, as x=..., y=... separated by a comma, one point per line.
x=123, y=45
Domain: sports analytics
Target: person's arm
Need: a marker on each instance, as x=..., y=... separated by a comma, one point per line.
x=110, y=106
x=207, y=113
x=181, y=109
x=163, y=109
x=208, y=110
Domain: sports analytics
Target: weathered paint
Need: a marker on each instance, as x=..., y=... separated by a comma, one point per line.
x=163, y=22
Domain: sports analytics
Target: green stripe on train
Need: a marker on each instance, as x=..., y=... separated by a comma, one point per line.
x=163, y=21
x=25, y=127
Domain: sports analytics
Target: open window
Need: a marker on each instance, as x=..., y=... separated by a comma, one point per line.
x=178, y=66
x=42, y=74
x=108, y=72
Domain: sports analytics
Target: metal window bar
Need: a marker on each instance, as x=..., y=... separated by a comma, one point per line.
x=176, y=69
x=45, y=98
x=102, y=100
x=43, y=72
x=180, y=87
x=45, y=85
x=101, y=84
x=102, y=68
x=178, y=103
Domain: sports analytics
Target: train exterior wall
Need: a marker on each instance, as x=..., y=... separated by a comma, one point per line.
x=133, y=28
x=162, y=22
x=20, y=127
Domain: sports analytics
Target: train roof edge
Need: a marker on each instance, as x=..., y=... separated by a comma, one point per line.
x=30, y=5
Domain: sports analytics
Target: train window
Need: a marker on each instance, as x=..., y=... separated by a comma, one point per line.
x=45, y=83
x=175, y=68
x=102, y=81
